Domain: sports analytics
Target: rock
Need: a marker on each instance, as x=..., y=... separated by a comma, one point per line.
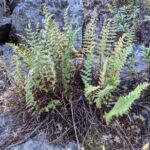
x=143, y=32
x=39, y=143
x=24, y=12
x=2, y=84
x=5, y=65
x=5, y=26
x=139, y=63
x=5, y=120
x=36, y=143
x=8, y=127
x=14, y=3
x=31, y=10
x=75, y=13
x=7, y=53
x=135, y=62
x=71, y=146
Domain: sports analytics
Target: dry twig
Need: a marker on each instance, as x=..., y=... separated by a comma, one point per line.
x=30, y=135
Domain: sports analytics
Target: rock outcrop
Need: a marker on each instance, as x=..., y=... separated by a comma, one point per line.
x=32, y=10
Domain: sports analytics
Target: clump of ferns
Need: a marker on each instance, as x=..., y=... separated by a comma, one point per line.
x=111, y=59
x=48, y=64
x=126, y=16
x=48, y=61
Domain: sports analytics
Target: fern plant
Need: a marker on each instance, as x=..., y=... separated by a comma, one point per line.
x=44, y=64
x=48, y=61
x=124, y=103
x=109, y=74
x=126, y=16
x=111, y=59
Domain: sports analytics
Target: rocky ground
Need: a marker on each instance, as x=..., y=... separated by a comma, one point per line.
x=13, y=20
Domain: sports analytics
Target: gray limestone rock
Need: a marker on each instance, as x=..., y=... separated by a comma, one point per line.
x=31, y=10
x=39, y=143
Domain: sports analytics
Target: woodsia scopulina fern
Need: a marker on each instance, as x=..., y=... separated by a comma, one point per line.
x=111, y=58
x=48, y=61
x=48, y=64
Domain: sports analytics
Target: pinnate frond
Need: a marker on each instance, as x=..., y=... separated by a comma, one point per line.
x=124, y=103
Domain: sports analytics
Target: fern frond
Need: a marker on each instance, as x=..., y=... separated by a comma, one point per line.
x=60, y=45
x=32, y=37
x=117, y=61
x=124, y=103
x=87, y=70
x=90, y=90
x=23, y=52
x=89, y=38
x=30, y=89
x=89, y=42
x=67, y=65
x=52, y=105
x=103, y=74
x=18, y=75
x=106, y=40
x=66, y=21
x=103, y=94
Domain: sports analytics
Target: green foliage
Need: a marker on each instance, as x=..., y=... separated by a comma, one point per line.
x=44, y=64
x=47, y=61
x=52, y=105
x=109, y=74
x=112, y=56
x=17, y=73
x=124, y=103
x=146, y=55
x=126, y=17
x=89, y=41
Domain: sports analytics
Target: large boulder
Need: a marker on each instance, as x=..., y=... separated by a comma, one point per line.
x=32, y=10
